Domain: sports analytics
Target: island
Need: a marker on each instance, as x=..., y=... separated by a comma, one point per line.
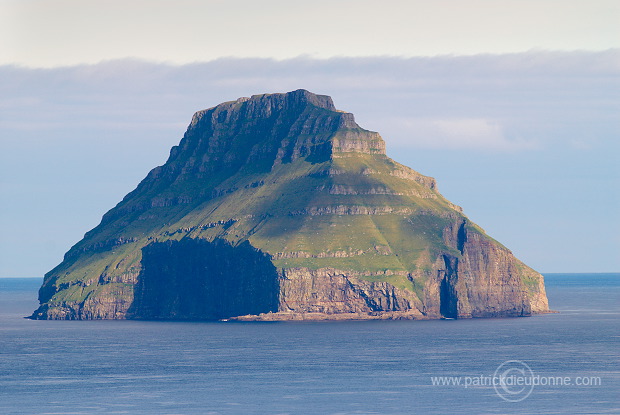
x=281, y=207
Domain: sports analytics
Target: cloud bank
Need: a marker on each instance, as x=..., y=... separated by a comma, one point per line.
x=512, y=102
x=532, y=135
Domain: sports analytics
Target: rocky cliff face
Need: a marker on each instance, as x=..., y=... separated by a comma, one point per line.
x=281, y=207
x=196, y=279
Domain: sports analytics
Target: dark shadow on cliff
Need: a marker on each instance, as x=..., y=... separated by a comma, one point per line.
x=448, y=297
x=194, y=279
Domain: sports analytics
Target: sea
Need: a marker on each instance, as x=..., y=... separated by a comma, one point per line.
x=561, y=363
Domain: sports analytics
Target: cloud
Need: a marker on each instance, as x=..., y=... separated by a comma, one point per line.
x=75, y=140
x=516, y=102
x=456, y=134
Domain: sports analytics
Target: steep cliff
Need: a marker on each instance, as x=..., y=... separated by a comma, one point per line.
x=279, y=206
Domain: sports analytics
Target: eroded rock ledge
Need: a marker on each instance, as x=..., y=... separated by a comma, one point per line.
x=291, y=316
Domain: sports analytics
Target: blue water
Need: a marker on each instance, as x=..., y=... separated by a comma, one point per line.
x=368, y=367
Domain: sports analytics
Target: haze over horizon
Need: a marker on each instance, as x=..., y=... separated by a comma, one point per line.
x=512, y=106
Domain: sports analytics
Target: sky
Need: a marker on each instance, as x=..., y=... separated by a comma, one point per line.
x=513, y=106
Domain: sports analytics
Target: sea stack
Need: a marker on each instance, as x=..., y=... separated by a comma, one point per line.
x=281, y=207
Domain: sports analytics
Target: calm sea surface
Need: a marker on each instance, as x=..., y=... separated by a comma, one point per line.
x=368, y=367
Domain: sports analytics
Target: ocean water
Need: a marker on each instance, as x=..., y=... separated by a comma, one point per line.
x=366, y=367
